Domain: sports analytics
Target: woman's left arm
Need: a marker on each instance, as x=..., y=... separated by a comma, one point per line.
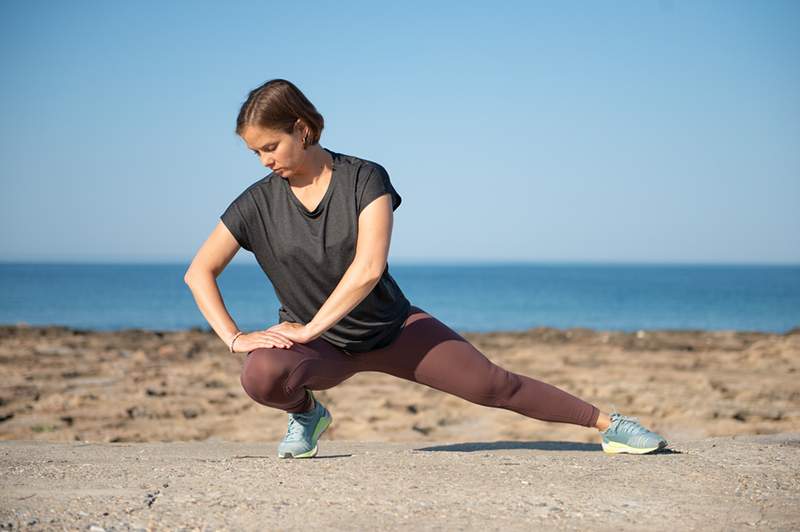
x=372, y=251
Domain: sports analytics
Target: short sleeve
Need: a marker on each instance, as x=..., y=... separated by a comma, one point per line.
x=237, y=223
x=374, y=186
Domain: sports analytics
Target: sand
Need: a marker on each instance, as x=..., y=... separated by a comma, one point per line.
x=65, y=385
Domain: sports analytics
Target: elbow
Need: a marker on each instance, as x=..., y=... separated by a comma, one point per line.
x=373, y=273
x=367, y=269
x=191, y=275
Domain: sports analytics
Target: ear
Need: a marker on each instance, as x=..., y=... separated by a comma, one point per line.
x=301, y=128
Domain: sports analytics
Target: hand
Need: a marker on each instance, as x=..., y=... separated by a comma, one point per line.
x=296, y=332
x=247, y=342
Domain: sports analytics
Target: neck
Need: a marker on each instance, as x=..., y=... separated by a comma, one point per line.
x=318, y=165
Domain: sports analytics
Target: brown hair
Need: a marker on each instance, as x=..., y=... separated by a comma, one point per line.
x=277, y=104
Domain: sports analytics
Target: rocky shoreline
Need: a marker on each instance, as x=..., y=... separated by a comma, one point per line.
x=65, y=384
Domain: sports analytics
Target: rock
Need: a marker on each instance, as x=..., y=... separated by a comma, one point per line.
x=422, y=430
x=166, y=350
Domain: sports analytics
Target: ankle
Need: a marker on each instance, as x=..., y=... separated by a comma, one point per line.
x=603, y=422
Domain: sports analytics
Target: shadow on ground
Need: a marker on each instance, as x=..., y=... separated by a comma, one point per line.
x=528, y=445
x=506, y=445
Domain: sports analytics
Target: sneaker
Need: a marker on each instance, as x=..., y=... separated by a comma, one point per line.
x=304, y=430
x=627, y=435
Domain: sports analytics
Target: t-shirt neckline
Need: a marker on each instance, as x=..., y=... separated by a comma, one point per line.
x=321, y=206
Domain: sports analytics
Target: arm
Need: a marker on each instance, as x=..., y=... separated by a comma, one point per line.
x=372, y=251
x=212, y=258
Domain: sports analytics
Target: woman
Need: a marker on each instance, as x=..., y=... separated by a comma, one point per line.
x=320, y=226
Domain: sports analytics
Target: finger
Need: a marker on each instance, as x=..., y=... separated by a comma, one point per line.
x=272, y=344
x=281, y=336
x=279, y=339
x=271, y=331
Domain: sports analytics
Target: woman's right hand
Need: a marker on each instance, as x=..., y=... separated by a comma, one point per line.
x=254, y=340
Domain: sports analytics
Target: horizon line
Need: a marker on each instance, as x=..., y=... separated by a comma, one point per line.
x=420, y=262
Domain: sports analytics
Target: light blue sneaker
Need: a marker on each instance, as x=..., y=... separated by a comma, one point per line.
x=304, y=430
x=627, y=435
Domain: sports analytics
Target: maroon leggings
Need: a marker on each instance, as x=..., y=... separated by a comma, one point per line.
x=427, y=352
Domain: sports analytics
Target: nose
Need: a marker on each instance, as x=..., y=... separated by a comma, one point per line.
x=266, y=162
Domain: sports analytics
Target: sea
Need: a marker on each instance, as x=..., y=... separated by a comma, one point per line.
x=467, y=297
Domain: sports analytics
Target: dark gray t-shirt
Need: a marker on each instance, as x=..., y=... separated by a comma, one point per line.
x=305, y=253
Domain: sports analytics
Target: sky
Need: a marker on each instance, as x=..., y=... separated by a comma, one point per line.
x=642, y=131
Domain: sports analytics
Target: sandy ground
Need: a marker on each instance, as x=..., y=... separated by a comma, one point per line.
x=731, y=483
x=60, y=384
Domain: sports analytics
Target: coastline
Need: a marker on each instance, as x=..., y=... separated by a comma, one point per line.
x=67, y=384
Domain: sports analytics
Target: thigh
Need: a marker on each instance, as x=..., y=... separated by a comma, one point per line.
x=429, y=352
x=317, y=365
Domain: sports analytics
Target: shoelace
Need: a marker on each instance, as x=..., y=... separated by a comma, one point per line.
x=294, y=429
x=630, y=425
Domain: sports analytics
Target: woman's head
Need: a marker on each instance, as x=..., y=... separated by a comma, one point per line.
x=278, y=123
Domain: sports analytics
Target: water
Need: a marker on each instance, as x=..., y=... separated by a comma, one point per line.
x=466, y=297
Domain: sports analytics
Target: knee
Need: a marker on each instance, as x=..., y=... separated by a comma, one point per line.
x=264, y=373
x=498, y=388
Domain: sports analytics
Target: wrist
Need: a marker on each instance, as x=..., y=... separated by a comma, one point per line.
x=312, y=330
x=232, y=340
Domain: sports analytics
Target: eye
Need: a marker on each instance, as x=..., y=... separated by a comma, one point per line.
x=268, y=148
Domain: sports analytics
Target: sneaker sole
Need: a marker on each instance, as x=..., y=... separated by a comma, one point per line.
x=322, y=426
x=613, y=447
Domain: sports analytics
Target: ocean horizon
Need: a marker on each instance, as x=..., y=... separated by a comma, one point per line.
x=467, y=296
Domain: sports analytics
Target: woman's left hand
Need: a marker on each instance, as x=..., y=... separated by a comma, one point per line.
x=296, y=332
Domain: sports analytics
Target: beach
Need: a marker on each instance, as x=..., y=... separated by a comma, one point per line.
x=65, y=385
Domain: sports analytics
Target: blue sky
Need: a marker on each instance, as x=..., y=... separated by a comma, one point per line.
x=514, y=131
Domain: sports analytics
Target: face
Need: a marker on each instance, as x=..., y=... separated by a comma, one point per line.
x=278, y=151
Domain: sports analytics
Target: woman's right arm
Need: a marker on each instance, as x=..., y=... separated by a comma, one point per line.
x=212, y=258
